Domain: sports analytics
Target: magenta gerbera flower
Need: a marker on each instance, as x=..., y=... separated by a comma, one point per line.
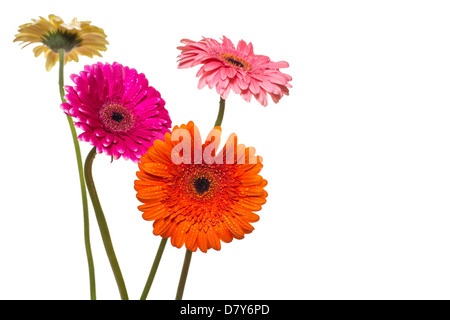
x=227, y=67
x=116, y=108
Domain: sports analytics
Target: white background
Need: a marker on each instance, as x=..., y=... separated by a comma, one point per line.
x=357, y=157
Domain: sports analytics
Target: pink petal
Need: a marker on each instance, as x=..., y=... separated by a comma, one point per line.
x=262, y=98
x=254, y=86
x=212, y=65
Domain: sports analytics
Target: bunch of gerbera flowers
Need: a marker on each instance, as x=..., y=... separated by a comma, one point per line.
x=197, y=195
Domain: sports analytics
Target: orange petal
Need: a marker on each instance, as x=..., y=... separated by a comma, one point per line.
x=213, y=239
x=160, y=226
x=163, y=149
x=224, y=233
x=251, y=180
x=234, y=228
x=250, y=216
x=149, y=205
x=156, y=169
x=253, y=191
x=251, y=205
x=252, y=169
x=143, y=183
x=154, y=213
x=150, y=193
x=246, y=227
x=179, y=234
x=191, y=236
x=202, y=241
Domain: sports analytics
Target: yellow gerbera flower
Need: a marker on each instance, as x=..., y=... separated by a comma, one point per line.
x=76, y=38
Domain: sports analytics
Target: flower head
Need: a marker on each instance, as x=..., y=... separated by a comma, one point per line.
x=116, y=108
x=76, y=38
x=198, y=197
x=227, y=68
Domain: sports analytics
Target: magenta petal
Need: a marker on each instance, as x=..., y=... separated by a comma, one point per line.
x=120, y=146
x=133, y=146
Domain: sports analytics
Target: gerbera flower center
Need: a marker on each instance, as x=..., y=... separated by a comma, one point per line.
x=236, y=61
x=200, y=182
x=116, y=118
x=58, y=39
x=202, y=185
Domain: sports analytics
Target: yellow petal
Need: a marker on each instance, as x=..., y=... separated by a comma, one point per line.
x=39, y=49
x=52, y=58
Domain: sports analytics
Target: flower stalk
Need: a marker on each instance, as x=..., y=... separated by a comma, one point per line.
x=82, y=182
x=155, y=265
x=183, y=276
x=101, y=220
x=221, y=113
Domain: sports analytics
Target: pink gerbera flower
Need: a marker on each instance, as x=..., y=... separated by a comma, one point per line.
x=227, y=67
x=116, y=108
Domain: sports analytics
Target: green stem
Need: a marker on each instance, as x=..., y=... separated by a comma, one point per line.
x=154, y=268
x=61, y=74
x=221, y=113
x=104, y=231
x=184, y=273
x=82, y=182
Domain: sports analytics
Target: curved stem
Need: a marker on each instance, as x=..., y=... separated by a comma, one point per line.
x=221, y=113
x=104, y=231
x=184, y=273
x=87, y=240
x=155, y=265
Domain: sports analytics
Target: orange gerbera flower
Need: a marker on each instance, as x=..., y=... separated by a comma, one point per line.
x=196, y=197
